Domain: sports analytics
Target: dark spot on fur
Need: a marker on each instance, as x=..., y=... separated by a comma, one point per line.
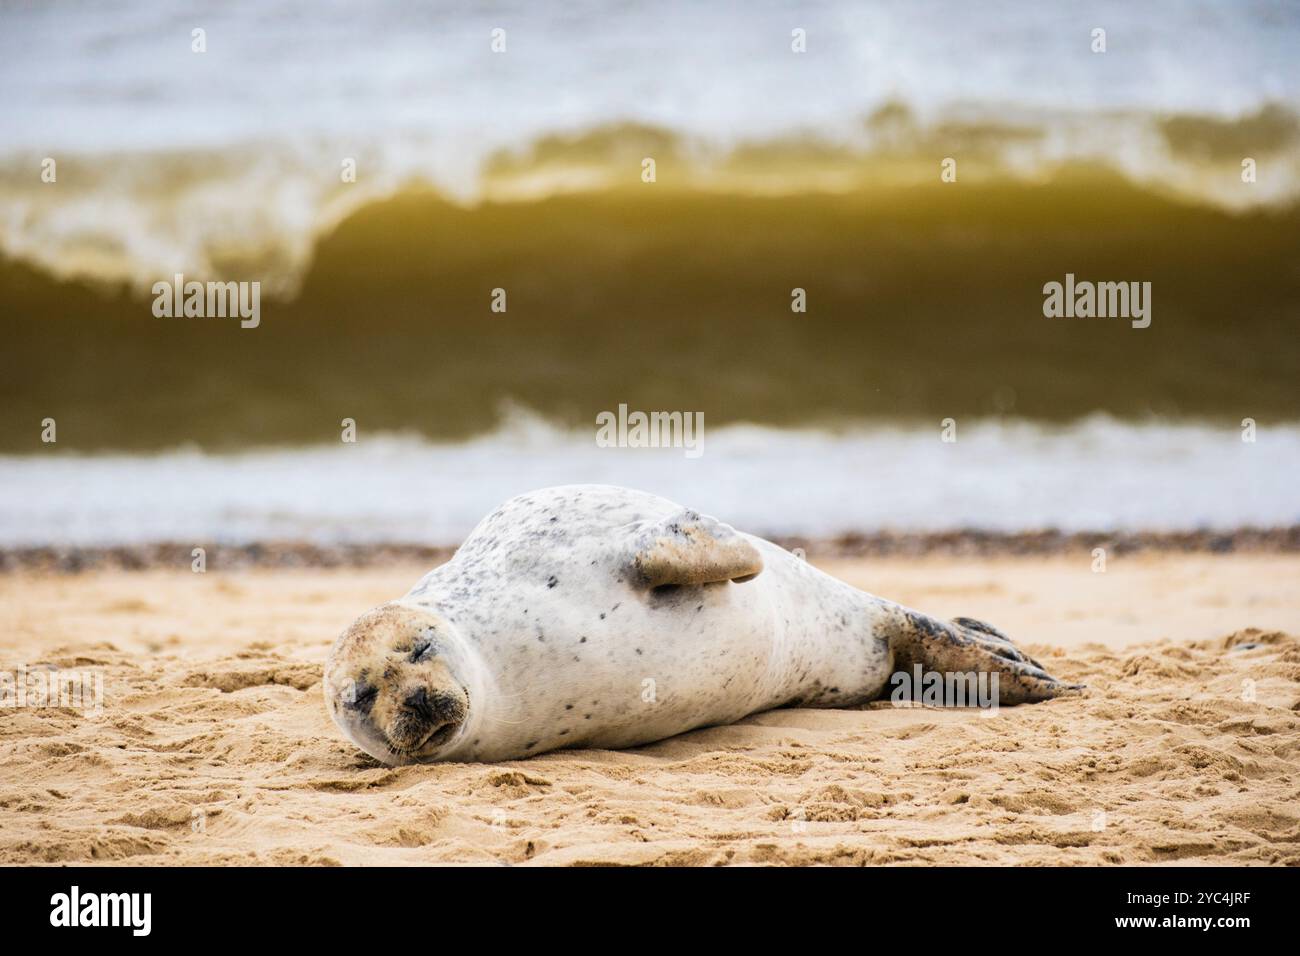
x=530, y=745
x=552, y=581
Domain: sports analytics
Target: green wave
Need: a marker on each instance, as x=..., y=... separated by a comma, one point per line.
x=924, y=301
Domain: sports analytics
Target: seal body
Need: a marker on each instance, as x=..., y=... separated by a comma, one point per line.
x=595, y=616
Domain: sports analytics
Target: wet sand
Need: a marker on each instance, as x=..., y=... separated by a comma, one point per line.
x=214, y=746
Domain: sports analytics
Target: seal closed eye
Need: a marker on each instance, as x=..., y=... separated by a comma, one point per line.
x=364, y=698
x=595, y=616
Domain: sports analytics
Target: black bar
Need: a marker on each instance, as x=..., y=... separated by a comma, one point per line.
x=904, y=906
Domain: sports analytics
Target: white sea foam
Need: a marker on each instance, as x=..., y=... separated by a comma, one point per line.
x=123, y=78
x=169, y=158
x=1097, y=474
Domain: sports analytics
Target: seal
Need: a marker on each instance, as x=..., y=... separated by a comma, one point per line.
x=597, y=616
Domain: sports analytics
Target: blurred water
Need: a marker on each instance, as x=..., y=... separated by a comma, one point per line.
x=122, y=76
x=169, y=156
x=171, y=161
x=1098, y=474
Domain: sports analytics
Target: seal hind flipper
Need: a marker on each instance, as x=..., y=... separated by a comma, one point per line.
x=967, y=645
x=977, y=625
x=691, y=548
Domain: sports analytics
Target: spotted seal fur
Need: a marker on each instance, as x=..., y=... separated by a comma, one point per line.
x=596, y=616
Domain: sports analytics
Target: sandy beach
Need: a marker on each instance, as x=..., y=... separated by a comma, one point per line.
x=213, y=745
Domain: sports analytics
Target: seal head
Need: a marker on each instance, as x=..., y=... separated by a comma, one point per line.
x=391, y=684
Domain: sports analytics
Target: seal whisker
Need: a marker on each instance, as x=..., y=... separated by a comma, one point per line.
x=502, y=720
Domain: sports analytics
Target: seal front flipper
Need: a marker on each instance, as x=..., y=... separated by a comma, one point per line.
x=966, y=645
x=690, y=548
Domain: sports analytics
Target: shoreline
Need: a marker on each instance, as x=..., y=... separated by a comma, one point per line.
x=75, y=559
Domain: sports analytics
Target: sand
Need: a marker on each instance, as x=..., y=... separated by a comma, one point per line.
x=213, y=745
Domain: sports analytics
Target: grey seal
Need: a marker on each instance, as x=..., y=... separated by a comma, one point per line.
x=597, y=616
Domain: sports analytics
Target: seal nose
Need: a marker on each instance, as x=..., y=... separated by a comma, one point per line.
x=425, y=714
x=418, y=702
